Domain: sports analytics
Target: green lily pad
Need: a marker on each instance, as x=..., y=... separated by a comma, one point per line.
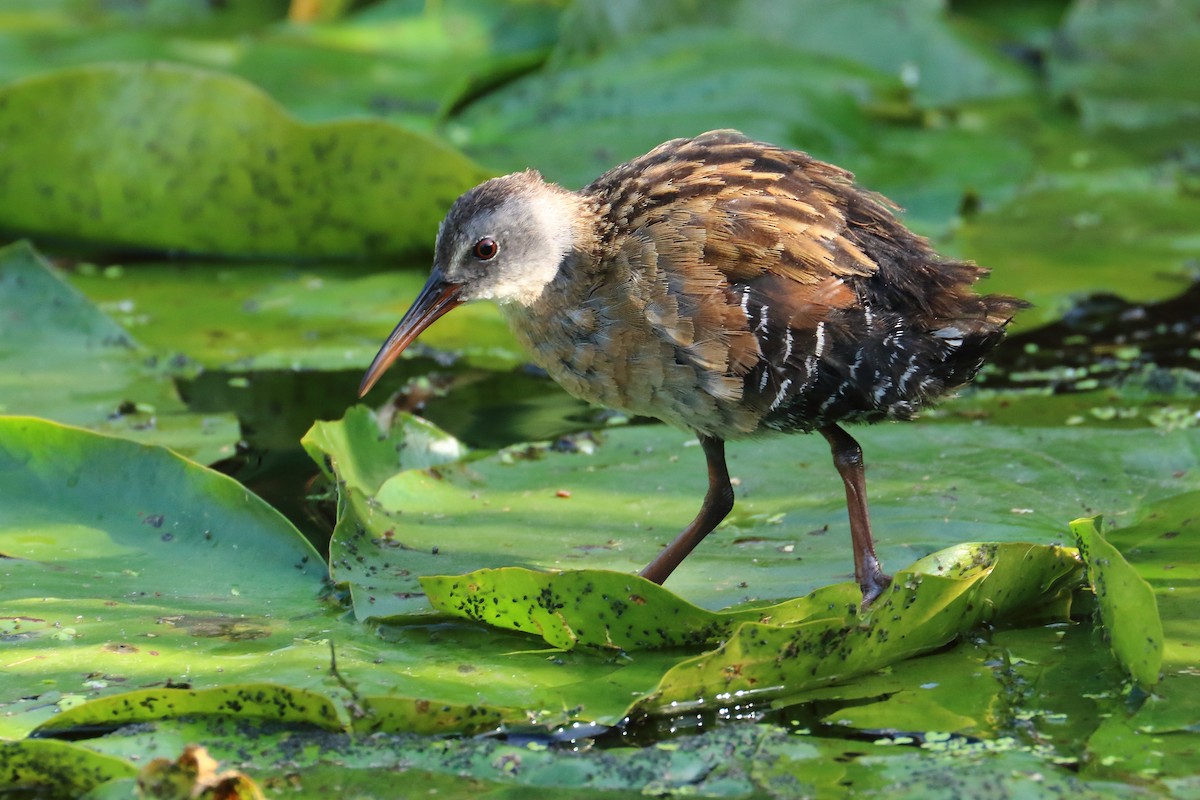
x=615, y=505
x=921, y=611
x=1107, y=221
x=786, y=74
x=1127, y=607
x=406, y=62
x=62, y=358
x=260, y=701
x=1160, y=737
x=917, y=43
x=60, y=769
x=176, y=158
x=394, y=714
x=612, y=609
x=576, y=121
x=356, y=450
x=123, y=563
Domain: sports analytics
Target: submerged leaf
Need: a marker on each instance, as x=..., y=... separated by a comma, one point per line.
x=1128, y=610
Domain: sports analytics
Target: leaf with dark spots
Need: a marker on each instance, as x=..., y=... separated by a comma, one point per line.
x=256, y=701
x=391, y=714
x=176, y=158
x=918, y=613
x=592, y=607
x=59, y=769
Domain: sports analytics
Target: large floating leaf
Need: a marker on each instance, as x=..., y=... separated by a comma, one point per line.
x=615, y=505
x=62, y=358
x=403, y=61
x=605, y=111
x=780, y=73
x=1083, y=229
x=123, y=563
x=1127, y=607
x=176, y=158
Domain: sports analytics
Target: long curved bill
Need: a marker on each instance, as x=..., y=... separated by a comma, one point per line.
x=438, y=297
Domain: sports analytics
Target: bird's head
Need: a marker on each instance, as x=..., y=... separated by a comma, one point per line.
x=504, y=240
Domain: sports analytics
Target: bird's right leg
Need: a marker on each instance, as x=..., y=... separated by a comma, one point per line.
x=718, y=502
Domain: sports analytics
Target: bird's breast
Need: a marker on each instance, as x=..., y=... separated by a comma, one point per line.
x=627, y=346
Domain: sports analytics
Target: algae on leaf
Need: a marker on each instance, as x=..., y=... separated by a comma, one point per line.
x=919, y=612
x=58, y=769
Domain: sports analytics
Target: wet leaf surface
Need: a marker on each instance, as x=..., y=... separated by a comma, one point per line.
x=258, y=701
x=920, y=612
x=95, y=533
x=63, y=359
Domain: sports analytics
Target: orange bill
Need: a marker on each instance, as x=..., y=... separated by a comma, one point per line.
x=438, y=297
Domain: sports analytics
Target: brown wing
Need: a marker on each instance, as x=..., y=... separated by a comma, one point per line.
x=790, y=291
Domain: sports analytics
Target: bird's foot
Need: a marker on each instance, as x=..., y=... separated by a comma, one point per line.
x=873, y=585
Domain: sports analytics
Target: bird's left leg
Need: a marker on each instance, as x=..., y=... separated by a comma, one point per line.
x=848, y=458
x=718, y=502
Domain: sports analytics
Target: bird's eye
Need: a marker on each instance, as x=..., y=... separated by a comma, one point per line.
x=485, y=249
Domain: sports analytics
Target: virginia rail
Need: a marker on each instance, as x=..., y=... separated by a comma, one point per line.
x=724, y=286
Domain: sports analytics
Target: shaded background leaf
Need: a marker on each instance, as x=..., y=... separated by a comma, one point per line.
x=176, y=158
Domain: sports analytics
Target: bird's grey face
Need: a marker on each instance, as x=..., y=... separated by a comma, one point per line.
x=504, y=241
